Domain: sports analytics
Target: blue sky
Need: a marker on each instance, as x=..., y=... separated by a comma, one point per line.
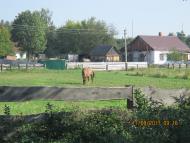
x=149, y=16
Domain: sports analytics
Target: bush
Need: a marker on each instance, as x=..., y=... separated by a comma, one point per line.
x=109, y=126
x=184, y=76
x=177, y=118
x=7, y=110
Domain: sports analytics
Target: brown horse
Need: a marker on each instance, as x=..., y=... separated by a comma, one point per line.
x=87, y=73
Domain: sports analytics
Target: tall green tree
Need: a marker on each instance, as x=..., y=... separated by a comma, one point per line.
x=46, y=16
x=188, y=41
x=99, y=33
x=6, y=24
x=30, y=32
x=121, y=42
x=5, y=42
x=176, y=56
x=51, y=46
x=182, y=36
x=82, y=36
x=51, y=34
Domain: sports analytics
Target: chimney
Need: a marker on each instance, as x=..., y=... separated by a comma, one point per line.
x=160, y=34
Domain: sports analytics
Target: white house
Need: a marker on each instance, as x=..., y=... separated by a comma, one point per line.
x=155, y=49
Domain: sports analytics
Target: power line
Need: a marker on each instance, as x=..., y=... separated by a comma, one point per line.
x=64, y=30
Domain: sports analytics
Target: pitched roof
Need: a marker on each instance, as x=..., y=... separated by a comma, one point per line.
x=100, y=50
x=165, y=43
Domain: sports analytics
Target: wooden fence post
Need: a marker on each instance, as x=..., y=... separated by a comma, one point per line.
x=130, y=103
x=18, y=66
x=179, y=66
x=126, y=66
x=10, y=66
x=168, y=65
x=26, y=66
x=173, y=66
x=1, y=67
x=137, y=66
x=107, y=66
x=66, y=66
x=186, y=65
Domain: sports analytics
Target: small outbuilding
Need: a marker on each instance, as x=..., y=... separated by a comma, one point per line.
x=104, y=53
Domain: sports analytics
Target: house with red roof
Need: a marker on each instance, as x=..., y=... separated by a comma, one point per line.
x=155, y=49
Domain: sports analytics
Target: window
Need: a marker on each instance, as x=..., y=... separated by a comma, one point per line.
x=161, y=57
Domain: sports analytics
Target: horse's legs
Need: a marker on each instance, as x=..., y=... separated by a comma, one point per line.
x=92, y=78
x=88, y=78
x=84, y=80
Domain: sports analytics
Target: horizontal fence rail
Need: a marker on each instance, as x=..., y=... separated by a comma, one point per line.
x=9, y=93
x=20, y=66
x=173, y=65
x=107, y=65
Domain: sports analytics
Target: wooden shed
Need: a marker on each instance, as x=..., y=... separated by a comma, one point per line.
x=104, y=53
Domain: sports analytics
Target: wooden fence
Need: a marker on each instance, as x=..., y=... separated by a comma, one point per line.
x=10, y=93
x=96, y=65
x=171, y=66
x=20, y=66
x=107, y=65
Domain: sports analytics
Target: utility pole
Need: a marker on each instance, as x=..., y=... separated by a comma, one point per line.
x=125, y=45
x=132, y=27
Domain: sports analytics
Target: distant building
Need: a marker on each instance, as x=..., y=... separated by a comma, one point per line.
x=20, y=55
x=72, y=57
x=155, y=49
x=104, y=53
x=12, y=58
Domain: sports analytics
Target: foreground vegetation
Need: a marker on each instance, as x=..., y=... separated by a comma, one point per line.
x=160, y=78
x=102, y=126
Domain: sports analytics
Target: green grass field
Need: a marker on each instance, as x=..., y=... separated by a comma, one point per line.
x=39, y=106
x=160, y=78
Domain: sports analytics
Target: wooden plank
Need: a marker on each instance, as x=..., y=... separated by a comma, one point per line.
x=8, y=93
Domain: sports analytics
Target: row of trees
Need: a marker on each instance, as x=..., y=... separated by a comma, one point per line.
x=34, y=32
x=29, y=31
x=79, y=37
